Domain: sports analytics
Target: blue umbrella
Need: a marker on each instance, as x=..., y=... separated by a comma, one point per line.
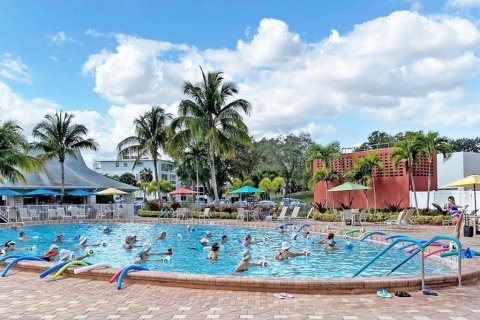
x=247, y=189
x=8, y=192
x=43, y=192
x=80, y=193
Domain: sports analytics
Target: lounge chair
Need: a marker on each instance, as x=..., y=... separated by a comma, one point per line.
x=281, y=216
x=205, y=213
x=408, y=220
x=61, y=214
x=24, y=216
x=240, y=214
x=347, y=215
x=255, y=214
x=81, y=213
x=12, y=215
x=295, y=212
x=52, y=214
x=399, y=222
x=34, y=214
x=338, y=216
x=181, y=213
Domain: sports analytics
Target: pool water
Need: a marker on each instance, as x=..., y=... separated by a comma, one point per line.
x=187, y=258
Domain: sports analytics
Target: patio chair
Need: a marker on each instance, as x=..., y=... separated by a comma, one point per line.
x=61, y=214
x=295, y=212
x=81, y=213
x=408, y=220
x=281, y=216
x=34, y=214
x=338, y=216
x=205, y=213
x=12, y=215
x=361, y=217
x=399, y=222
x=255, y=214
x=347, y=215
x=52, y=214
x=119, y=213
x=446, y=222
x=181, y=213
x=240, y=214
x=24, y=216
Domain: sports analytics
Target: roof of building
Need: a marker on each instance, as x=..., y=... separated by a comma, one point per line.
x=77, y=176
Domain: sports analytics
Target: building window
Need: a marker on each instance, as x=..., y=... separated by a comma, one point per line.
x=164, y=177
x=117, y=164
x=140, y=164
x=125, y=164
x=98, y=165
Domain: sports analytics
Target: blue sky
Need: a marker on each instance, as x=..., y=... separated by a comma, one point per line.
x=387, y=65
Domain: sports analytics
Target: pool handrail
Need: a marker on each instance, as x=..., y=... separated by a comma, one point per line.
x=381, y=253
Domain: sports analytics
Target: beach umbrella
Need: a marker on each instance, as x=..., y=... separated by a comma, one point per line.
x=182, y=191
x=468, y=182
x=8, y=192
x=247, y=189
x=80, y=193
x=111, y=192
x=43, y=192
x=348, y=186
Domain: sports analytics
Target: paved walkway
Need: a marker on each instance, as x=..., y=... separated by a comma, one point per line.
x=24, y=296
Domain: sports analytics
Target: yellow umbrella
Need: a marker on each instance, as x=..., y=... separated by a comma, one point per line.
x=111, y=192
x=468, y=182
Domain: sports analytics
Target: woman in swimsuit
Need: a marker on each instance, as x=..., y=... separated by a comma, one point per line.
x=456, y=215
x=245, y=263
x=248, y=241
x=284, y=252
x=213, y=254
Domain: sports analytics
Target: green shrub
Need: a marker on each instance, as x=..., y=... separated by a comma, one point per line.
x=148, y=213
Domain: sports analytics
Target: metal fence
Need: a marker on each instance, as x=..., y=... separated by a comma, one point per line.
x=53, y=211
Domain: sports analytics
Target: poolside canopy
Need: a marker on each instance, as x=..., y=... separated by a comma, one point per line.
x=247, y=189
x=111, y=192
x=348, y=186
x=8, y=192
x=43, y=192
x=182, y=191
x=80, y=193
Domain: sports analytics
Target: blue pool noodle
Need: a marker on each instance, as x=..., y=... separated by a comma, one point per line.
x=12, y=263
x=124, y=273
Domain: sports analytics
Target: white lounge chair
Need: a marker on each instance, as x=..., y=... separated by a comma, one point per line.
x=281, y=216
x=24, y=216
x=295, y=212
x=120, y=213
x=61, y=214
x=240, y=214
x=78, y=213
x=181, y=213
x=12, y=215
x=34, y=214
x=205, y=213
x=52, y=214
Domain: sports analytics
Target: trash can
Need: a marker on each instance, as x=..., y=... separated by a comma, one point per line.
x=468, y=231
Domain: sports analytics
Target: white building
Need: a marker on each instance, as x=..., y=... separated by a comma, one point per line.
x=166, y=170
x=458, y=166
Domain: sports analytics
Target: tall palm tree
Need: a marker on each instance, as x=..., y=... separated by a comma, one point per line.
x=429, y=145
x=149, y=139
x=326, y=154
x=58, y=137
x=407, y=152
x=146, y=175
x=13, y=154
x=212, y=118
x=369, y=163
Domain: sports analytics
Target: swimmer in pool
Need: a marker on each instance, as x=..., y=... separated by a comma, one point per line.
x=144, y=255
x=248, y=241
x=162, y=235
x=59, y=237
x=51, y=253
x=7, y=247
x=22, y=236
x=245, y=262
x=66, y=256
x=284, y=252
x=224, y=239
x=213, y=254
x=129, y=243
x=329, y=241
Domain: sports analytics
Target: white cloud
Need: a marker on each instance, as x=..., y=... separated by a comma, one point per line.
x=389, y=63
x=14, y=69
x=463, y=4
x=94, y=33
x=60, y=38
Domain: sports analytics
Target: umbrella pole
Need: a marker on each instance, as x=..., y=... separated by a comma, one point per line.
x=475, y=197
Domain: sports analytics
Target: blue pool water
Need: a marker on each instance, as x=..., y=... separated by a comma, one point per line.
x=188, y=259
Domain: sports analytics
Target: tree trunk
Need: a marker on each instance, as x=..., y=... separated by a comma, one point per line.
x=326, y=194
x=366, y=199
x=156, y=179
x=213, y=173
x=413, y=189
x=429, y=184
x=374, y=195
x=62, y=170
x=196, y=181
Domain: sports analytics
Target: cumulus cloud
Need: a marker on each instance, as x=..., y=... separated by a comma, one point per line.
x=60, y=38
x=463, y=4
x=389, y=65
x=14, y=69
x=94, y=33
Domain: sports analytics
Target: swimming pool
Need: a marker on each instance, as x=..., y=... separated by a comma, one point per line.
x=187, y=258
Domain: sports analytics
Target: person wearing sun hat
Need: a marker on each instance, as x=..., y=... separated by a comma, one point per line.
x=83, y=242
x=284, y=252
x=58, y=237
x=51, y=253
x=245, y=262
x=67, y=255
x=8, y=246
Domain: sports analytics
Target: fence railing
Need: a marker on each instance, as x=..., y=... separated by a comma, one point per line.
x=53, y=211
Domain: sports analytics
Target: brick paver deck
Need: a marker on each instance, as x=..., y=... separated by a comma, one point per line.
x=24, y=296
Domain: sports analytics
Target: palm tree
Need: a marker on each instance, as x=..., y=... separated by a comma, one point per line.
x=146, y=175
x=212, y=118
x=271, y=186
x=59, y=137
x=326, y=154
x=407, y=152
x=13, y=154
x=157, y=187
x=429, y=145
x=369, y=163
x=150, y=137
